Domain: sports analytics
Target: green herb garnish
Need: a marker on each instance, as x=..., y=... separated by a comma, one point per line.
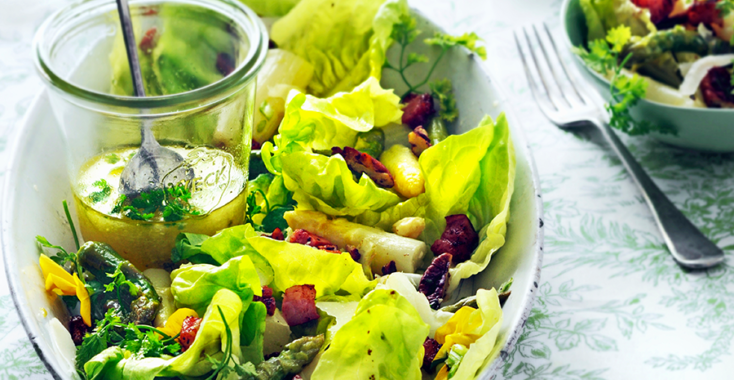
x=273, y=215
x=227, y=365
x=112, y=158
x=171, y=201
x=725, y=7
x=104, y=191
x=405, y=32
x=603, y=56
x=140, y=340
x=442, y=91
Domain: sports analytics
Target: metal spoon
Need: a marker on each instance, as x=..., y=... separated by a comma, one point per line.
x=152, y=163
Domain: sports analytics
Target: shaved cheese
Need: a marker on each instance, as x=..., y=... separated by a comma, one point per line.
x=699, y=70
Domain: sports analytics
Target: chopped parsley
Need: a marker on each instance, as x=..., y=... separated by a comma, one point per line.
x=603, y=56
x=104, y=191
x=171, y=201
x=112, y=158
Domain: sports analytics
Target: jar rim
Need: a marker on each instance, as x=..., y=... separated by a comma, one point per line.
x=242, y=74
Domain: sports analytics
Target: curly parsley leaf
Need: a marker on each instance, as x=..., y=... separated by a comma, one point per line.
x=443, y=92
x=405, y=32
x=626, y=91
x=725, y=7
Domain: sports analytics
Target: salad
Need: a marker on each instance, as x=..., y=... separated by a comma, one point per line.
x=676, y=52
x=362, y=218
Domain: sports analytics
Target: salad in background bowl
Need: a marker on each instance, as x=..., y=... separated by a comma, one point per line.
x=390, y=213
x=664, y=66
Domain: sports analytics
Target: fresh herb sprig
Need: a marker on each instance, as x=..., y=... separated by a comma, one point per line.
x=273, y=214
x=604, y=56
x=104, y=191
x=140, y=340
x=171, y=201
x=725, y=7
x=405, y=32
x=226, y=365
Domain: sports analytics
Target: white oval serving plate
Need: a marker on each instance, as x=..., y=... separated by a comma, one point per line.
x=36, y=182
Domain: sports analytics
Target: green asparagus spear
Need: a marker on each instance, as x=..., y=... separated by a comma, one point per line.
x=437, y=131
x=672, y=40
x=297, y=354
x=371, y=142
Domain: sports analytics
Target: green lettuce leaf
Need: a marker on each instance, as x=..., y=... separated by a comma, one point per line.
x=384, y=340
x=413, y=207
x=603, y=15
x=216, y=250
x=211, y=341
x=344, y=40
x=271, y=8
x=194, y=286
x=484, y=348
x=400, y=283
x=471, y=174
x=297, y=264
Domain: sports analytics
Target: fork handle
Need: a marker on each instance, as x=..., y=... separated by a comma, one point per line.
x=689, y=247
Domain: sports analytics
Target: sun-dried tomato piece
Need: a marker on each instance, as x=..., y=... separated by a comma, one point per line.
x=503, y=297
x=78, y=329
x=419, y=141
x=267, y=299
x=147, y=43
x=299, y=305
x=459, y=239
x=418, y=110
x=435, y=280
x=430, y=348
x=716, y=88
x=256, y=145
x=277, y=234
x=659, y=9
x=359, y=162
x=704, y=11
x=354, y=252
x=189, y=329
x=389, y=268
x=304, y=237
x=225, y=64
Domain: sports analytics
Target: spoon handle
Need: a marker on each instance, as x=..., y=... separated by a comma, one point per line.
x=130, y=45
x=689, y=247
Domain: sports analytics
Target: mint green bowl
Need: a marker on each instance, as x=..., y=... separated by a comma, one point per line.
x=705, y=129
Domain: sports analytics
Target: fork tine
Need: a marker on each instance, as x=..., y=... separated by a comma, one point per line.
x=563, y=65
x=550, y=66
x=537, y=67
x=531, y=81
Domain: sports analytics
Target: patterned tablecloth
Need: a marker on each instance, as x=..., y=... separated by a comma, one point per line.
x=612, y=303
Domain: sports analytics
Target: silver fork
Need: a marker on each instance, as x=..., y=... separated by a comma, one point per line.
x=574, y=108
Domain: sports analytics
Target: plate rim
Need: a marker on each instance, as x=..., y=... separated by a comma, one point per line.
x=517, y=326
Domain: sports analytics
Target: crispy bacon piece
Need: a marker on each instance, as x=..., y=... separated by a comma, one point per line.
x=716, y=88
x=354, y=252
x=418, y=110
x=147, y=43
x=267, y=299
x=435, y=280
x=704, y=11
x=419, y=141
x=659, y=9
x=359, y=162
x=77, y=328
x=430, y=348
x=459, y=239
x=277, y=234
x=225, y=64
x=189, y=329
x=389, y=268
x=299, y=305
x=304, y=237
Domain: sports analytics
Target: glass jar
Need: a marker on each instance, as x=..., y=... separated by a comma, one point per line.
x=200, y=59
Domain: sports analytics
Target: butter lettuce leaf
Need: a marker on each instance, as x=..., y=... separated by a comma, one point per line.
x=471, y=174
x=476, y=329
x=384, y=340
x=603, y=15
x=344, y=40
x=400, y=283
x=297, y=264
x=194, y=286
